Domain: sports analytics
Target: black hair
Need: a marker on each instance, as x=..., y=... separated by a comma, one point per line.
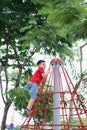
x=40, y=61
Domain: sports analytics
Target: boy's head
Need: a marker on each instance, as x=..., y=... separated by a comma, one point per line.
x=41, y=63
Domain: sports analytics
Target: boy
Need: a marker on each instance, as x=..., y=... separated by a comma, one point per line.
x=34, y=82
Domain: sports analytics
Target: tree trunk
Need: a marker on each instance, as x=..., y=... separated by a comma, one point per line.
x=6, y=108
x=71, y=102
x=70, y=114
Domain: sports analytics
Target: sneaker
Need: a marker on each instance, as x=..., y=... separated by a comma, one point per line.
x=28, y=111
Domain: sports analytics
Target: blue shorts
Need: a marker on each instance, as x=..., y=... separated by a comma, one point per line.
x=33, y=89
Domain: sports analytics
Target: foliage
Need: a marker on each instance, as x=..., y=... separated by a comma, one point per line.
x=13, y=57
x=75, y=121
x=20, y=97
x=69, y=16
x=41, y=115
x=46, y=31
x=83, y=91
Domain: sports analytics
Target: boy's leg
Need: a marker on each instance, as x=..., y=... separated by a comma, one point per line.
x=31, y=103
x=33, y=95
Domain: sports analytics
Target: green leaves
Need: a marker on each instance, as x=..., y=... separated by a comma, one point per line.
x=55, y=18
x=64, y=16
x=20, y=97
x=82, y=30
x=24, y=29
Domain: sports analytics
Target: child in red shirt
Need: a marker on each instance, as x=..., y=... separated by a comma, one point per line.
x=34, y=82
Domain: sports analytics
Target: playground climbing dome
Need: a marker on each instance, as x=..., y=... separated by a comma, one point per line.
x=56, y=107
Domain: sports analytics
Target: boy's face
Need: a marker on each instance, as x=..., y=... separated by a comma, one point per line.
x=42, y=65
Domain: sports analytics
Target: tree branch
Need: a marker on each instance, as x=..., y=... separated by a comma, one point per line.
x=28, y=57
x=81, y=58
x=81, y=70
x=21, y=66
x=17, y=56
x=6, y=73
x=78, y=82
x=18, y=77
x=20, y=69
x=2, y=91
x=1, y=86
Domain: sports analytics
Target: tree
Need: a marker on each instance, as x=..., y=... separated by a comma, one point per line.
x=14, y=14
x=17, y=49
x=81, y=83
x=9, y=50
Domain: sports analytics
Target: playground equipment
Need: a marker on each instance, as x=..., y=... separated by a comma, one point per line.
x=56, y=107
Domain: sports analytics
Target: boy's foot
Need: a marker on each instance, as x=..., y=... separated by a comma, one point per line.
x=28, y=111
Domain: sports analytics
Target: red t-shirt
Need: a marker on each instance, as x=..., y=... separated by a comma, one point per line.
x=37, y=77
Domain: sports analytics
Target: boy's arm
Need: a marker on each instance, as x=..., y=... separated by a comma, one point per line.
x=44, y=75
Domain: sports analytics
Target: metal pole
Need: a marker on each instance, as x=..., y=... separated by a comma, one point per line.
x=56, y=95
